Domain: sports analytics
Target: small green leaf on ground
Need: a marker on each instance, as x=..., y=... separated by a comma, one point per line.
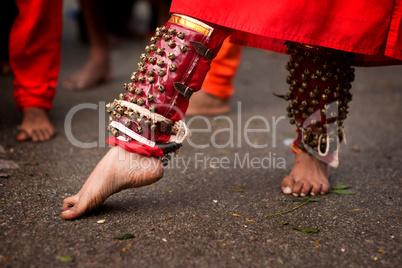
x=341, y=186
x=124, y=237
x=342, y=189
x=343, y=192
x=304, y=199
x=65, y=259
x=306, y=230
x=283, y=223
x=307, y=200
x=235, y=190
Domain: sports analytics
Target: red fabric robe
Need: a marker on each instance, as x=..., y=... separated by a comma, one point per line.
x=372, y=29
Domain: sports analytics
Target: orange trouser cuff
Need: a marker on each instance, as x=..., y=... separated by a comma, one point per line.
x=218, y=81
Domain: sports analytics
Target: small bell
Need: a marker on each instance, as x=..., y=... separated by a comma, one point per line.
x=159, y=63
x=128, y=124
x=133, y=77
x=172, y=31
x=171, y=56
x=138, y=91
x=183, y=48
x=150, y=97
x=171, y=43
x=161, y=88
x=142, y=69
x=180, y=35
x=143, y=57
x=161, y=73
x=152, y=60
x=140, y=101
x=159, y=51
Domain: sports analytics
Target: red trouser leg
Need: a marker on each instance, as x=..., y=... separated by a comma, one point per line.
x=147, y=118
x=35, y=52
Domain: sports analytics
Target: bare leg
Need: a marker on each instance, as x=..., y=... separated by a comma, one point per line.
x=309, y=176
x=35, y=125
x=217, y=88
x=97, y=68
x=203, y=103
x=118, y=170
x=5, y=67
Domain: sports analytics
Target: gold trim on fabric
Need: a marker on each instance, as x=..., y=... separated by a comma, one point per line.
x=189, y=24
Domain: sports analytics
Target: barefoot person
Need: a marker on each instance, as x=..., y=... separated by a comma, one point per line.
x=97, y=68
x=146, y=121
x=34, y=49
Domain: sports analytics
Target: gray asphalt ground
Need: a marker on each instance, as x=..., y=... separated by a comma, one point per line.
x=205, y=215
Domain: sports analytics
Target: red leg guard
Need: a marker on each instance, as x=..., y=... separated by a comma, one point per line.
x=320, y=80
x=147, y=119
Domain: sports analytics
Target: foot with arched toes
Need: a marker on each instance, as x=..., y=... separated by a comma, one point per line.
x=309, y=176
x=118, y=170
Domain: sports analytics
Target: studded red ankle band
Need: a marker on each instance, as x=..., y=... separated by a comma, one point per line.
x=320, y=81
x=147, y=119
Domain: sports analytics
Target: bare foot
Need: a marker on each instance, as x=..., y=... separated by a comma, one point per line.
x=118, y=170
x=94, y=72
x=35, y=125
x=309, y=176
x=202, y=103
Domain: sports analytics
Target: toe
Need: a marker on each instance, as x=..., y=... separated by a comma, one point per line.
x=70, y=84
x=297, y=188
x=22, y=135
x=325, y=188
x=306, y=189
x=72, y=213
x=41, y=135
x=69, y=202
x=73, y=208
x=46, y=135
x=35, y=136
x=287, y=185
x=316, y=190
